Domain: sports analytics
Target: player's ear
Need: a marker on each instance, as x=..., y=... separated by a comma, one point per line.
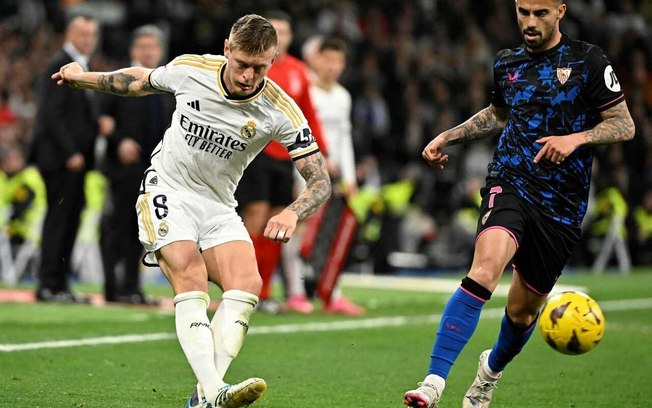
x=562, y=10
x=227, y=48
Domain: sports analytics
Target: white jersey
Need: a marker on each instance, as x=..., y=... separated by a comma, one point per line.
x=333, y=108
x=213, y=137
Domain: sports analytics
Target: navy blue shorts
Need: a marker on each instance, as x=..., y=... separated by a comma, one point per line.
x=543, y=245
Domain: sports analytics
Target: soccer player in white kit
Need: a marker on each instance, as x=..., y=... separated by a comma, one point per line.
x=227, y=111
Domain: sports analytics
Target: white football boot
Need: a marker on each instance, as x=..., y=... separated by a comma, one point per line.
x=481, y=391
x=426, y=395
x=240, y=395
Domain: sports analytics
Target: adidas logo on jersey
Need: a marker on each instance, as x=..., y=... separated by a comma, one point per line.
x=194, y=105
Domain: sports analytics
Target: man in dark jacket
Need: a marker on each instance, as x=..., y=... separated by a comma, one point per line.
x=139, y=127
x=63, y=148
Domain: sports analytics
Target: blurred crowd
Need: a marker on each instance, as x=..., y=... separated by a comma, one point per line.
x=416, y=68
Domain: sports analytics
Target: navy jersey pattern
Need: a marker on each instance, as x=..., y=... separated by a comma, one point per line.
x=552, y=93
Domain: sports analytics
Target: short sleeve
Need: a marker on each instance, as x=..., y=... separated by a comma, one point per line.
x=299, y=142
x=603, y=88
x=169, y=77
x=291, y=127
x=497, y=95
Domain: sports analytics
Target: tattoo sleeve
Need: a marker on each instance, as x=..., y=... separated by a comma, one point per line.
x=487, y=122
x=616, y=126
x=318, y=185
x=132, y=81
x=116, y=83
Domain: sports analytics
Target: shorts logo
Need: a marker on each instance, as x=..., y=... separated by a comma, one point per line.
x=248, y=131
x=153, y=181
x=163, y=228
x=563, y=74
x=486, y=217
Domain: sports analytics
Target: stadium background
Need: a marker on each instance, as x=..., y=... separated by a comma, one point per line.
x=415, y=68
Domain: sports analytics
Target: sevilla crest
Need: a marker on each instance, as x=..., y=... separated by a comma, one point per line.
x=563, y=74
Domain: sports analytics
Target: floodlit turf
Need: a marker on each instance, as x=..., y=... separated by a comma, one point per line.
x=353, y=367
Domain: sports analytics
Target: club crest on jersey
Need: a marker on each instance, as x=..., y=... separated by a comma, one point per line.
x=163, y=228
x=248, y=131
x=563, y=74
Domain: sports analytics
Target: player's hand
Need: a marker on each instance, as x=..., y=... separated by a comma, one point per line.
x=556, y=148
x=67, y=74
x=434, y=153
x=281, y=226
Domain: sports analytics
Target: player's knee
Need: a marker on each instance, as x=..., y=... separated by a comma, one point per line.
x=187, y=282
x=521, y=317
x=255, y=284
x=248, y=282
x=486, y=275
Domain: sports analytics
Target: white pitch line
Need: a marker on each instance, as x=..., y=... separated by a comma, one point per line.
x=398, y=321
x=93, y=341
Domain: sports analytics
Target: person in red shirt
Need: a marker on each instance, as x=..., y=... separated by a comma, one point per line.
x=267, y=185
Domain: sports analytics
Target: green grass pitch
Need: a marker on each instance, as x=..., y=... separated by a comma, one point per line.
x=321, y=361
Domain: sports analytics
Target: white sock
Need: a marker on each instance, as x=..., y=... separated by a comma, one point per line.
x=195, y=337
x=230, y=325
x=293, y=267
x=437, y=381
x=493, y=374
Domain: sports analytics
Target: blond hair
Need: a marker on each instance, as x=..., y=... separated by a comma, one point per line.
x=253, y=35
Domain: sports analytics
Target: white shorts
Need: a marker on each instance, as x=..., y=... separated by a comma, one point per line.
x=166, y=216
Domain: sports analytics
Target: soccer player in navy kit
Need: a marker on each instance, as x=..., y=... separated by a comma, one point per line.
x=554, y=97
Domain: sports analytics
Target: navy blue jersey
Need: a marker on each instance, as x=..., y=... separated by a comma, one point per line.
x=552, y=93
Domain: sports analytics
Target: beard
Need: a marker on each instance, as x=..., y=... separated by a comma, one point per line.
x=538, y=41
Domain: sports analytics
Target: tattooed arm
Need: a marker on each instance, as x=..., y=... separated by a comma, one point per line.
x=133, y=81
x=617, y=126
x=318, y=185
x=487, y=122
x=318, y=188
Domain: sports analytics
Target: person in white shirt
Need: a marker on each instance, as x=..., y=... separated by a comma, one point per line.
x=333, y=106
x=227, y=111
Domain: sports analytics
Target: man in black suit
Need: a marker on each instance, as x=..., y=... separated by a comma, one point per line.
x=63, y=149
x=139, y=127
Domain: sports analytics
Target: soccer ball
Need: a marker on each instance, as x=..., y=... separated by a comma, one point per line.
x=571, y=322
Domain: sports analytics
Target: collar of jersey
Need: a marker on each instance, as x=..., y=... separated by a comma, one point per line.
x=562, y=41
x=234, y=98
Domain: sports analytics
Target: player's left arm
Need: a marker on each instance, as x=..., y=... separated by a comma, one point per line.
x=617, y=126
x=318, y=188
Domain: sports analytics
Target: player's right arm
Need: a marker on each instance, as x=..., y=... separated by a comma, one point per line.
x=488, y=122
x=318, y=189
x=132, y=81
